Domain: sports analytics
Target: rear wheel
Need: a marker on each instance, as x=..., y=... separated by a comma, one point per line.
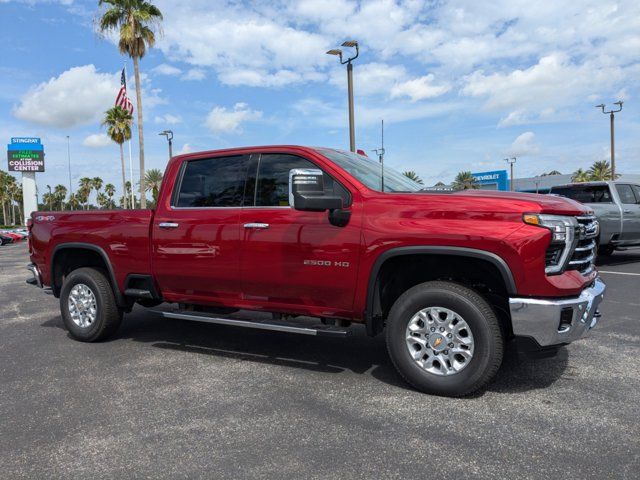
x=444, y=339
x=88, y=305
x=606, y=250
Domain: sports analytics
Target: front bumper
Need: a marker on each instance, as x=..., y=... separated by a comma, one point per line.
x=556, y=322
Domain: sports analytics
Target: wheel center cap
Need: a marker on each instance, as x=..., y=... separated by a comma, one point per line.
x=437, y=342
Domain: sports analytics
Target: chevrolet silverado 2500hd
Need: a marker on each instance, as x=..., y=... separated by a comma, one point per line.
x=318, y=232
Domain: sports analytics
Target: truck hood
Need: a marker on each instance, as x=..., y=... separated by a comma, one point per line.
x=544, y=203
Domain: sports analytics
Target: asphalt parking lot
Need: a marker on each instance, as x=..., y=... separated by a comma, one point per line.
x=174, y=399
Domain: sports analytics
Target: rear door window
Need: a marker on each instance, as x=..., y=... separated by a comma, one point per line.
x=212, y=182
x=626, y=194
x=585, y=193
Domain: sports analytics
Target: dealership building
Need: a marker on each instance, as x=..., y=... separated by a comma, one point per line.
x=499, y=180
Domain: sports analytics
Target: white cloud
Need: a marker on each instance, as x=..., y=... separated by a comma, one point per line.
x=524, y=145
x=97, y=140
x=223, y=120
x=194, y=74
x=419, y=88
x=168, y=119
x=165, y=69
x=186, y=148
x=78, y=96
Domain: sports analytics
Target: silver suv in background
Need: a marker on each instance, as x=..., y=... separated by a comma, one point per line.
x=617, y=206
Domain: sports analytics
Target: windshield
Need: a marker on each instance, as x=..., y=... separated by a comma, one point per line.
x=369, y=171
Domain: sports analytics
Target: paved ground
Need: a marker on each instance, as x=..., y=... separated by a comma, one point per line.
x=175, y=399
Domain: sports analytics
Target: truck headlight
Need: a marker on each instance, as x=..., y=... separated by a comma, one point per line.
x=563, y=235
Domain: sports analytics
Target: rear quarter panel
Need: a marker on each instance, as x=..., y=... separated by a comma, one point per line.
x=122, y=234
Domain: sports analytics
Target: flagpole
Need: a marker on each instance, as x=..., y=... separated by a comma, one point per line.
x=133, y=204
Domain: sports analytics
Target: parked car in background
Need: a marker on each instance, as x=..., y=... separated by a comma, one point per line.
x=617, y=207
x=5, y=239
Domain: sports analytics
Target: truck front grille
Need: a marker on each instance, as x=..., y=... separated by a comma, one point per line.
x=584, y=254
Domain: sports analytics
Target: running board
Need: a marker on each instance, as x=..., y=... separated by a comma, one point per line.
x=320, y=330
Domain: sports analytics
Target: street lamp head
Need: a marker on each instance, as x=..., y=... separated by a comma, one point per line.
x=600, y=106
x=350, y=43
x=335, y=51
x=619, y=102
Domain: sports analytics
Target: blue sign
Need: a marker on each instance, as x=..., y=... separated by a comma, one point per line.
x=25, y=154
x=25, y=143
x=495, y=180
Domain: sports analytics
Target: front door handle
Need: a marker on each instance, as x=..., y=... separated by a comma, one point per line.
x=626, y=211
x=168, y=225
x=262, y=226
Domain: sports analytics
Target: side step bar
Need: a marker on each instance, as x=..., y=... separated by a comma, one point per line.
x=320, y=330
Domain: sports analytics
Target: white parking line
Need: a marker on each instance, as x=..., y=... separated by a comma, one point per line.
x=620, y=273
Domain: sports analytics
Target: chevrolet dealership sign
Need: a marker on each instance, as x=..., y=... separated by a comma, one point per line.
x=25, y=154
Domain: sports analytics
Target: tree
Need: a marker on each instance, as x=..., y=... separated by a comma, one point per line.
x=580, y=176
x=86, y=184
x=153, y=181
x=96, y=183
x=74, y=200
x=49, y=198
x=59, y=194
x=4, y=194
x=110, y=191
x=600, y=170
x=465, y=181
x=118, y=123
x=410, y=174
x=133, y=19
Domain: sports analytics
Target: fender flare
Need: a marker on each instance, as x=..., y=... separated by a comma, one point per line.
x=372, y=323
x=120, y=300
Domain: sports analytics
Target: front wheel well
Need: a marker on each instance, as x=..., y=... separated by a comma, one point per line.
x=400, y=273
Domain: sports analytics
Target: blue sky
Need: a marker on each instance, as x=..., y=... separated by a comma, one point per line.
x=460, y=84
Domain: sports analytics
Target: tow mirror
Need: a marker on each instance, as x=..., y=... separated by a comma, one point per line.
x=306, y=191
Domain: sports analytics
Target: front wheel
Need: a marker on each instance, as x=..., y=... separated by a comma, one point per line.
x=88, y=305
x=444, y=339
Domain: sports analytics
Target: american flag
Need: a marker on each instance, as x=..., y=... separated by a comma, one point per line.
x=122, y=100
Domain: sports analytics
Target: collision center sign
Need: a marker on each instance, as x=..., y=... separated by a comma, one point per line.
x=25, y=154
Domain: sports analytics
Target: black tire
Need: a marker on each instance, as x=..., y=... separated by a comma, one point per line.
x=479, y=316
x=108, y=315
x=606, y=250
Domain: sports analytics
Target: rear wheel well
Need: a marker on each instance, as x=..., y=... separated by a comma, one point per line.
x=398, y=274
x=66, y=260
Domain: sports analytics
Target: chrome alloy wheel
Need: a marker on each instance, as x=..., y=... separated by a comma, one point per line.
x=83, y=307
x=440, y=341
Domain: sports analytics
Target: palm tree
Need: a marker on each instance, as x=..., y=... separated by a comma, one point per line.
x=118, y=123
x=465, y=181
x=96, y=183
x=49, y=198
x=153, y=181
x=600, y=170
x=74, y=200
x=110, y=190
x=59, y=194
x=85, y=190
x=410, y=174
x=580, y=176
x=133, y=19
x=4, y=194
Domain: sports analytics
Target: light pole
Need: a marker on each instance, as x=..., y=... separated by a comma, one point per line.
x=511, y=161
x=338, y=52
x=611, y=120
x=69, y=162
x=380, y=152
x=169, y=135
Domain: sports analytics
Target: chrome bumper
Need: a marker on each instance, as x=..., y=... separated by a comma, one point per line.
x=37, y=278
x=554, y=322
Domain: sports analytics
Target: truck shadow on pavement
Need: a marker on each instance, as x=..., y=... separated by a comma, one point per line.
x=357, y=353
x=619, y=258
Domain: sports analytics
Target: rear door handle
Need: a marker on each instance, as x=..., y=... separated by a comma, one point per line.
x=262, y=226
x=626, y=211
x=167, y=225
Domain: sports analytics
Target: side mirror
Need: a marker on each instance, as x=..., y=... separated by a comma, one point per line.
x=306, y=191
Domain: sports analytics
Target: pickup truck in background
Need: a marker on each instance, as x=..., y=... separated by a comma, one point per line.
x=616, y=205
x=315, y=232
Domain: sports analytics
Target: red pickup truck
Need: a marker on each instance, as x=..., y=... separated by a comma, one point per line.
x=323, y=233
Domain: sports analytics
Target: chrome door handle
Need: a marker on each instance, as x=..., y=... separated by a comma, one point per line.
x=626, y=211
x=262, y=226
x=168, y=225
